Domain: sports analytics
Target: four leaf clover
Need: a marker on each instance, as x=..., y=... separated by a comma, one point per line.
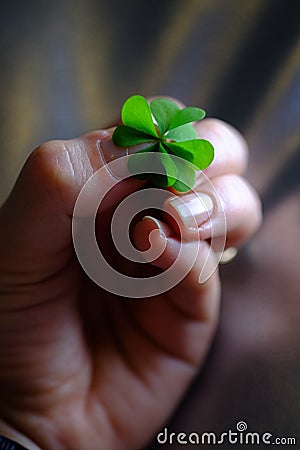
x=165, y=131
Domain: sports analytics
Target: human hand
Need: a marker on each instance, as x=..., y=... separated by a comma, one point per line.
x=79, y=367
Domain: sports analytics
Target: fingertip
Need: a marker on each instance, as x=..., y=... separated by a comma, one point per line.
x=157, y=241
x=231, y=153
x=219, y=126
x=143, y=230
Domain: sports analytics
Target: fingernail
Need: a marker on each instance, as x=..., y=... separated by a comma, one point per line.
x=155, y=223
x=156, y=242
x=109, y=151
x=194, y=209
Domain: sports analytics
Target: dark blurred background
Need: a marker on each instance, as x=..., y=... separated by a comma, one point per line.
x=67, y=67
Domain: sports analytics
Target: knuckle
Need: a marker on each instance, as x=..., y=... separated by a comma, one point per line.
x=53, y=165
x=65, y=159
x=44, y=156
x=62, y=167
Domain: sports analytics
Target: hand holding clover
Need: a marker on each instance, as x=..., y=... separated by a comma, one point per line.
x=172, y=134
x=83, y=368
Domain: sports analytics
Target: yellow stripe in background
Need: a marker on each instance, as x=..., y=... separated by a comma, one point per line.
x=226, y=47
x=169, y=44
x=277, y=88
x=22, y=115
x=289, y=143
x=90, y=50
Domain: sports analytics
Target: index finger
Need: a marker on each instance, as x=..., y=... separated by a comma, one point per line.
x=231, y=149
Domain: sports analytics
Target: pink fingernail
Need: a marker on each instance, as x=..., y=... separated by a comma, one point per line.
x=194, y=209
x=156, y=225
x=109, y=151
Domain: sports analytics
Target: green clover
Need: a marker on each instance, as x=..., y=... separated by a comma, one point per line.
x=171, y=134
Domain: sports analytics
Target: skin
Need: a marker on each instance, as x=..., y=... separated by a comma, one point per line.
x=79, y=365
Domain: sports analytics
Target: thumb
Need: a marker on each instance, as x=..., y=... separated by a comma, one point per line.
x=35, y=221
